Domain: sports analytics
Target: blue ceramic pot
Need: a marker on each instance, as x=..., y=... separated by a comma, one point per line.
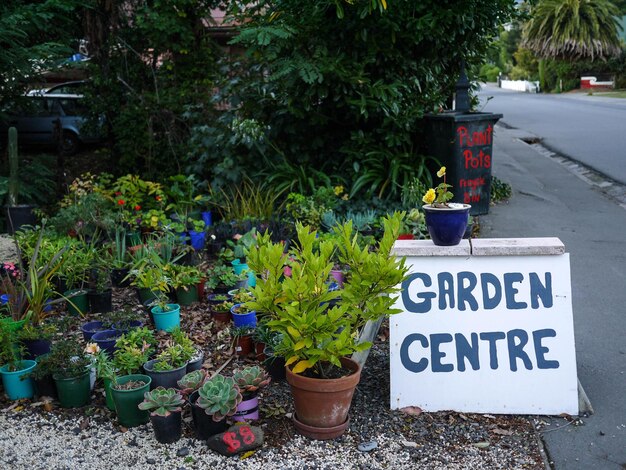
x=446, y=226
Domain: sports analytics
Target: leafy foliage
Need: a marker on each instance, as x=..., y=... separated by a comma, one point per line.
x=572, y=29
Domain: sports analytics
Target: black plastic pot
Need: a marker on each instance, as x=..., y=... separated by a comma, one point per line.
x=46, y=387
x=167, y=429
x=36, y=347
x=275, y=366
x=101, y=302
x=203, y=424
x=118, y=276
x=18, y=216
x=196, y=364
x=166, y=379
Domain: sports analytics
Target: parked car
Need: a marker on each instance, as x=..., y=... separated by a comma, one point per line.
x=49, y=119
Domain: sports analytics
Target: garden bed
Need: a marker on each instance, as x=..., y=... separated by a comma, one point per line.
x=90, y=437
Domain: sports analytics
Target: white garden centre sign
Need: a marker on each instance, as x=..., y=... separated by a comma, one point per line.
x=485, y=328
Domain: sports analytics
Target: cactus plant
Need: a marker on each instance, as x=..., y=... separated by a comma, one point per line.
x=251, y=379
x=162, y=401
x=192, y=381
x=14, y=182
x=219, y=397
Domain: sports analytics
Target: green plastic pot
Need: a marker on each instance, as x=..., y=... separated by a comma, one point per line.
x=79, y=304
x=108, y=395
x=127, y=401
x=73, y=392
x=187, y=297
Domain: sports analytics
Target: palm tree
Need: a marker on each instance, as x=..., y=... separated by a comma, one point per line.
x=573, y=29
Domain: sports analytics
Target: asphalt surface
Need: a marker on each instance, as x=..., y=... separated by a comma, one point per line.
x=549, y=200
x=589, y=129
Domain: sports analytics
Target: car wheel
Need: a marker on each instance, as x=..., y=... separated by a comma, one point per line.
x=69, y=143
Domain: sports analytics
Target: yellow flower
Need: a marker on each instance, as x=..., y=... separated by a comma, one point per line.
x=441, y=172
x=429, y=197
x=338, y=190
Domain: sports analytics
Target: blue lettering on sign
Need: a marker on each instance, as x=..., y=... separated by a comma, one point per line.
x=460, y=290
x=516, y=343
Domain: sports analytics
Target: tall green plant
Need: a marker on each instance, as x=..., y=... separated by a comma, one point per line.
x=320, y=326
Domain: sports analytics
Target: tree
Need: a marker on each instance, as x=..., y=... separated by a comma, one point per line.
x=341, y=86
x=573, y=29
x=34, y=36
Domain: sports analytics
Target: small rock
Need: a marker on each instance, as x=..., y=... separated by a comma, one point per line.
x=367, y=446
x=182, y=452
x=409, y=444
x=150, y=461
x=236, y=439
x=481, y=445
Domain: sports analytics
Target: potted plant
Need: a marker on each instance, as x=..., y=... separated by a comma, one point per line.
x=190, y=350
x=243, y=343
x=164, y=405
x=15, y=371
x=120, y=261
x=71, y=373
x=100, y=293
x=166, y=315
x=36, y=339
x=446, y=221
x=249, y=380
x=263, y=336
x=18, y=215
x=192, y=381
x=42, y=377
x=216, y=299
x=221, y=312
x=221, y=278
x=197, y=234
x=318, y=337
x=105, y=339
x=124, y=320
x=243, y=315
x=212, y=403
x=128, y=392
x=185, y=280
x=168, y=367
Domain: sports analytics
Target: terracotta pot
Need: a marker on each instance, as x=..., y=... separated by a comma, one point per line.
x=323, y=403
x=244, y=345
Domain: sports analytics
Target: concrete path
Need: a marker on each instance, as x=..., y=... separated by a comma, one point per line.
x=550, y=201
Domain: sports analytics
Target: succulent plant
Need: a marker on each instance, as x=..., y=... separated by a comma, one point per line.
x=219, y=397
x=162, y=401
x=192, y=381
x=251, y=378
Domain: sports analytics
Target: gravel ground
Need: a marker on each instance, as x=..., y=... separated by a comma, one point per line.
x=7, y=248
x=32, y=437
x=91, y=438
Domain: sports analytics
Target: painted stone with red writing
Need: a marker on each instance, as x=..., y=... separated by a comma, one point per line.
x=236, y=439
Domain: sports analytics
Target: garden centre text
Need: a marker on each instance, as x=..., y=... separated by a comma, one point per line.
x=460, y=292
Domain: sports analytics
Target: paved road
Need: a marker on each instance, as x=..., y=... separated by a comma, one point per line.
x=549, y=201
x=590, y=129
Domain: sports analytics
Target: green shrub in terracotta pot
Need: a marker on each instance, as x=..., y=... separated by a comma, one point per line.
x=320, y=327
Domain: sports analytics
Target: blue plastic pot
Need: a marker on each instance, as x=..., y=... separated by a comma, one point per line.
x=18, y=384
x=129, y=326
x=106, y=339
x=90, y=328
x=207, y=218
x=4, y=299
x=446, y=226
x=243, y=319
x=166, y=320
x=197, y=239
